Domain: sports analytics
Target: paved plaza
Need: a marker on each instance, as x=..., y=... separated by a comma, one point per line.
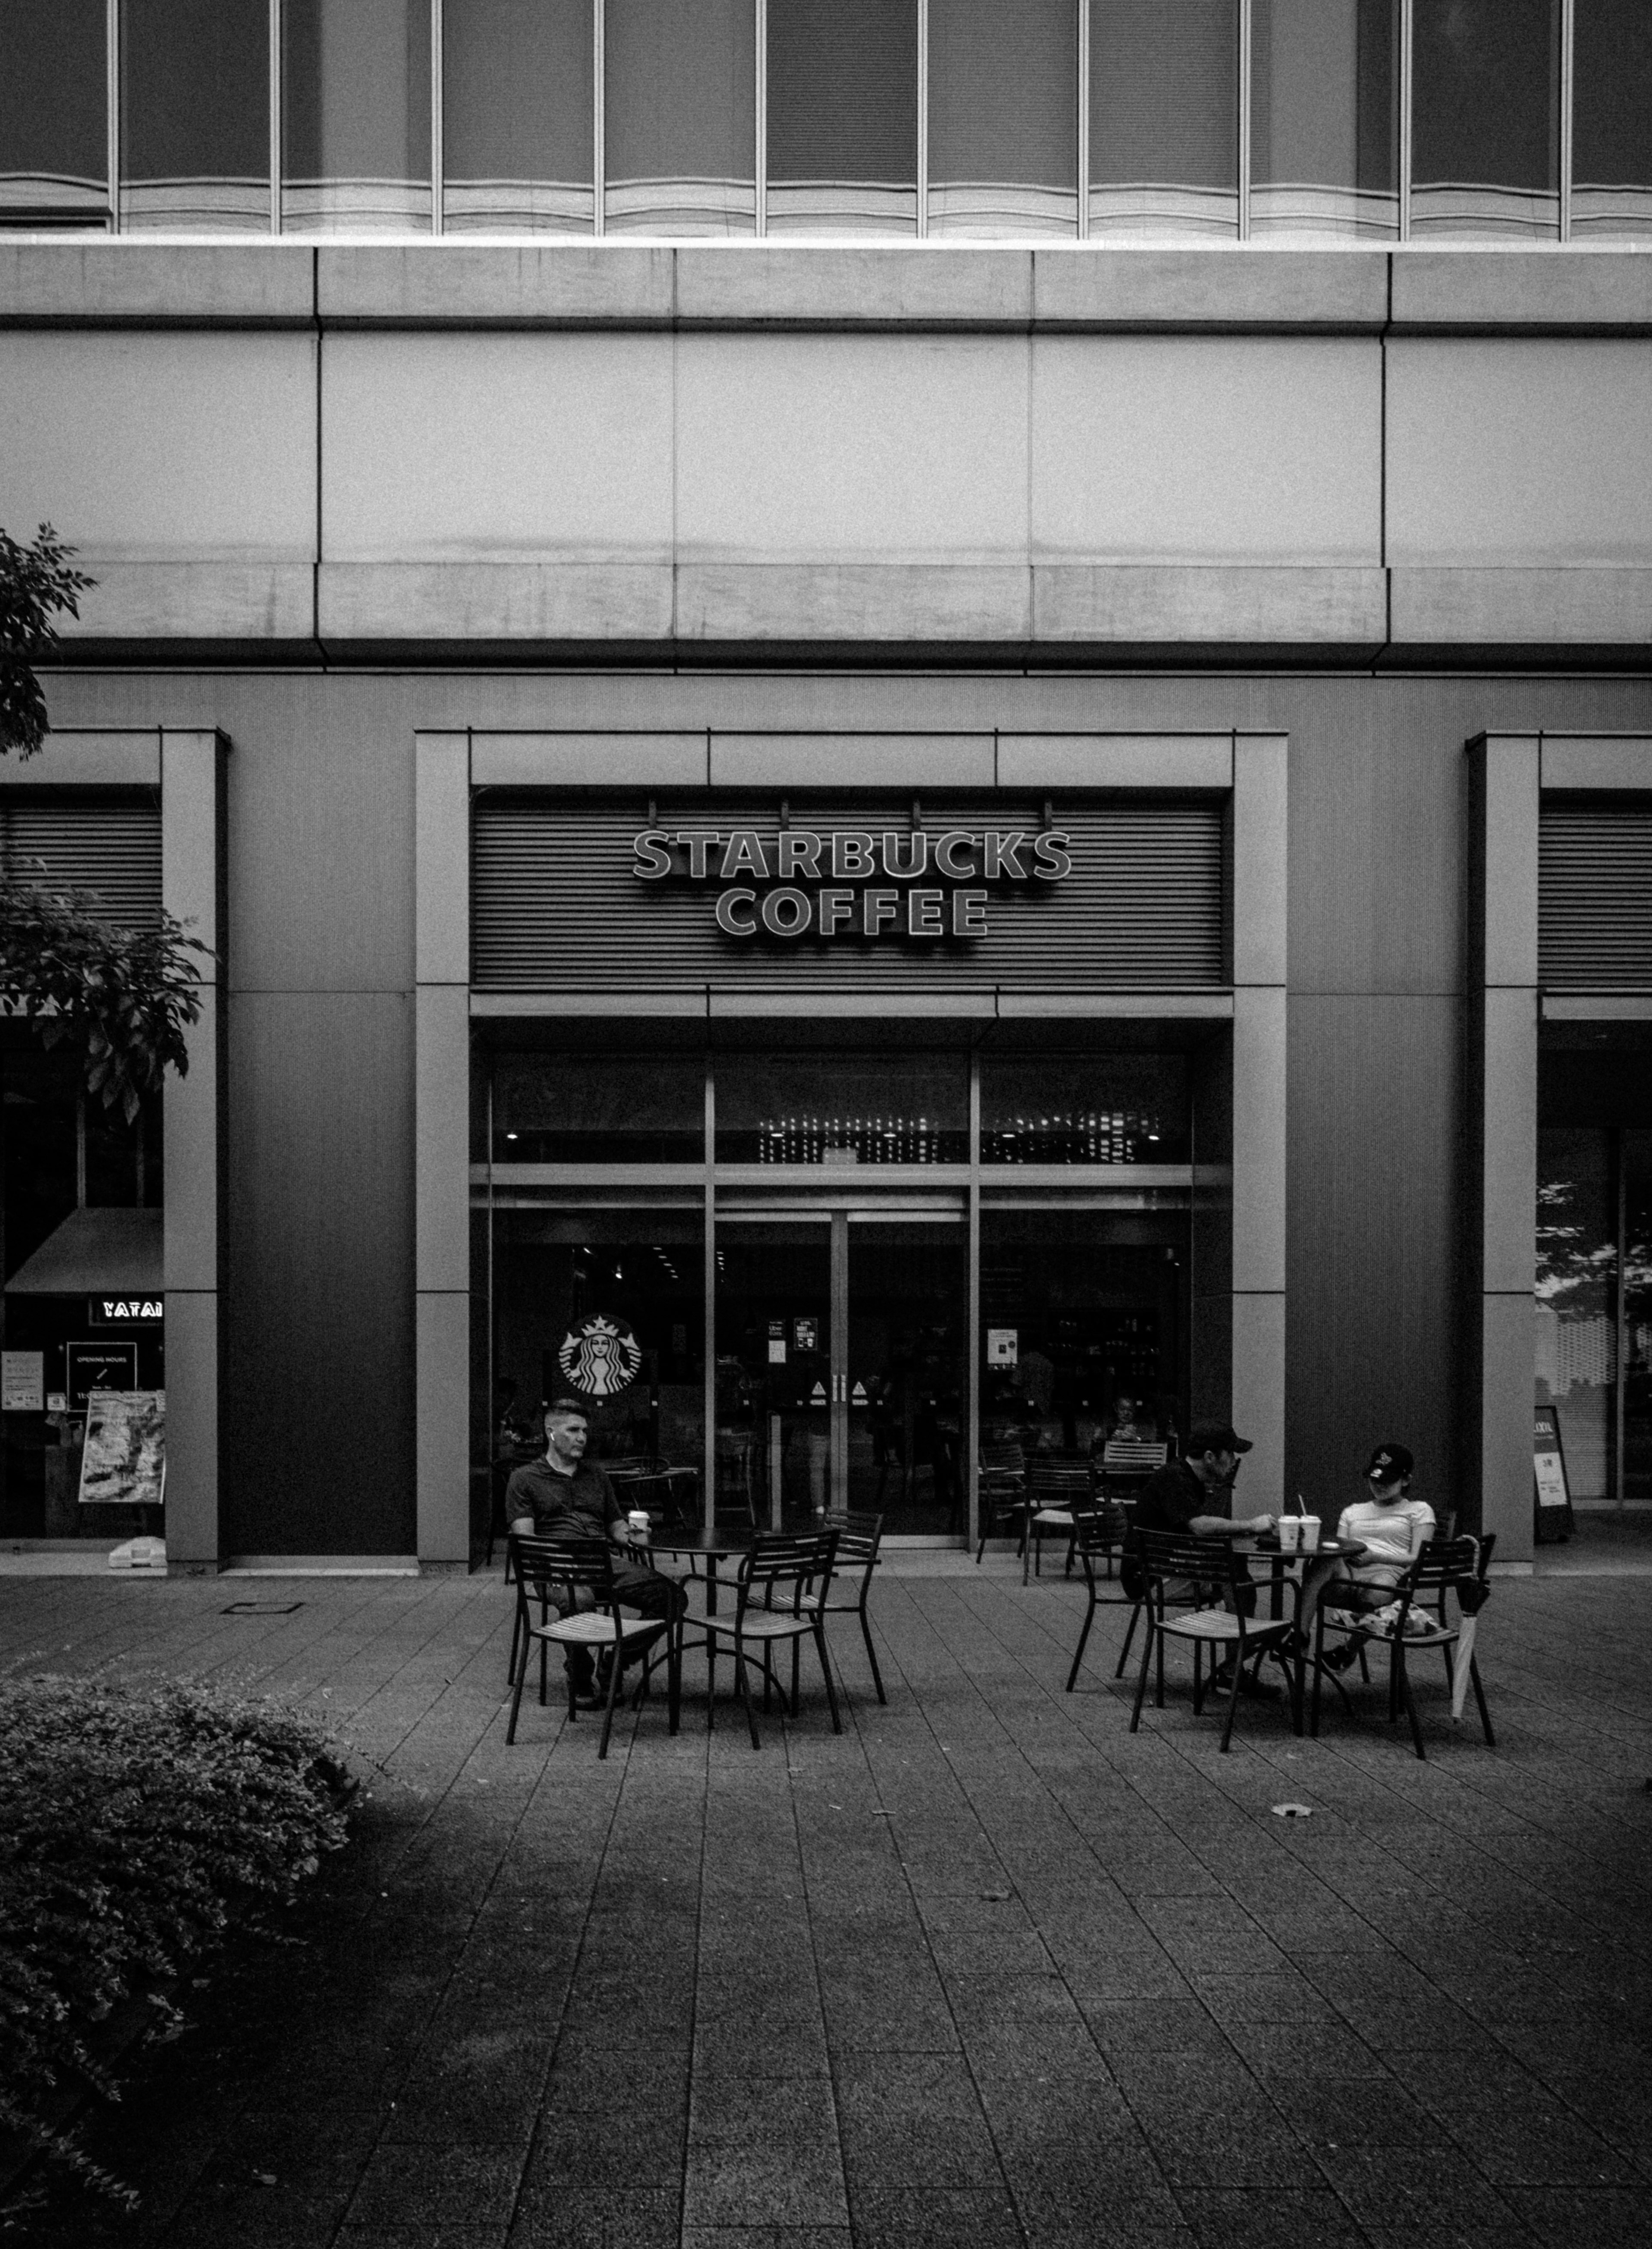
x=984, y=1971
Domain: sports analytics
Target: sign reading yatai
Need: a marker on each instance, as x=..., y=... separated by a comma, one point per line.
x=854, y=882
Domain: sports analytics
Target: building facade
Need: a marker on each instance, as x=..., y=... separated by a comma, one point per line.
x=851, y=843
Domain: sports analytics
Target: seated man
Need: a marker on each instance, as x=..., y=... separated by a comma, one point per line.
x=561, y=1494
x=1390, y=1528
x=1193, y=1497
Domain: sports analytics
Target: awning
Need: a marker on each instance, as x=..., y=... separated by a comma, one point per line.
x=97, y=1252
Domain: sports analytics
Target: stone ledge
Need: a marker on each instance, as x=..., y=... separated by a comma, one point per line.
x=1470, y=291
x=236, y=283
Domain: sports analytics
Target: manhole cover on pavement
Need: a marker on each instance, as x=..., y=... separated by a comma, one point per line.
x=1293, y=1811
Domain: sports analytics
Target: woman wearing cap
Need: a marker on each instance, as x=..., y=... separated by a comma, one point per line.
x=1390, y=1528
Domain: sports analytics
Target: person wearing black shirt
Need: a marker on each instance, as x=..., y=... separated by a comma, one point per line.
x=561, y=1494
x=1193, y=1497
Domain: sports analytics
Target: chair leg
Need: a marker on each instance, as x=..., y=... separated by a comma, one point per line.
x=1406, y=1697
x=795, y=1701
x=1159, y=1692
x=1479, y=1696
x=516, y=1694
x=1090, y=1618
x=616, y=1665
x=1232, y=1698
x=871, y=1654
x=516, y=1634
x=1141, y=1678
x=1130, y=1634
x=1319, y=1671
x=826, y=1674
x=744, y=1684
x=1198, y=1679
x=544, y=1660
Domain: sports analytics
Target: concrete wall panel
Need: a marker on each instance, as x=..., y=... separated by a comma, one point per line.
x=1207, y=451
x=169, y=446
x=852, y=449
x=475, y=448
x=1534, y=452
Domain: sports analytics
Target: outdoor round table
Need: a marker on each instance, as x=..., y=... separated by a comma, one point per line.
x=1266, y=1547
x=708, y=1546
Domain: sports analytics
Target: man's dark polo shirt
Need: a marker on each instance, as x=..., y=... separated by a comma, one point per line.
x=1172, y=1495
x=578, y=1506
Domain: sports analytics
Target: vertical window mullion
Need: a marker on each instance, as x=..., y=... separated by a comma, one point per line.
x=1568, y=28
x=111, y=98
x=437, y=152
x=276, y=127
x=599, y=121
x=1243, y=90
x=923, y=118
x=1407, y=47
x=1083, y=120
x=759, y=141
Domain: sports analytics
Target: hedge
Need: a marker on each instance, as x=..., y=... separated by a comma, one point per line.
x=136, y=1825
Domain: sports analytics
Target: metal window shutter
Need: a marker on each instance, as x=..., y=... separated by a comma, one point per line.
x=111, y=850
x=554, y=905
x=1594, y=896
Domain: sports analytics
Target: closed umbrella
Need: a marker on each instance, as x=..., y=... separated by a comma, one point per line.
x=1472, y=1596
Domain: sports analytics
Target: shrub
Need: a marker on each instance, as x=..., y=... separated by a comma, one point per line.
x=136, y=1827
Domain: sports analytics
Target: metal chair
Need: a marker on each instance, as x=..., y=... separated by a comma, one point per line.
x=1211, y=1567
x=1100, y=1536
x=1126, y=1463
x=1444, y=1565
x=780, y=1598
x=549, y=1570
x=1002, y=1492
x=1059, y=1494
x=858, y=1537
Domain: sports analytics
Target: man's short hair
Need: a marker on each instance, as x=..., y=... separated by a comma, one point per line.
x=564, y=1405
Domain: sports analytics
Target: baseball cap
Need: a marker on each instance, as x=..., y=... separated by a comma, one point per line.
x=569, y=1405
x=1213, y=1437
x=1387, y=1463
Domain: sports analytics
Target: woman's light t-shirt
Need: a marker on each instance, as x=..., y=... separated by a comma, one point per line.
x=1393, y=1534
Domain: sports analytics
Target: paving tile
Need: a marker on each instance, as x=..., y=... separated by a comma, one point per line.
x=763, y=2186
x=1274, y=2219
x=935, y=2219
x=596, y=2218
x=405, y=2185
x=1604, y=2218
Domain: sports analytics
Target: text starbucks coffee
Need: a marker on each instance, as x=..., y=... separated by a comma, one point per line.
x=901, y=882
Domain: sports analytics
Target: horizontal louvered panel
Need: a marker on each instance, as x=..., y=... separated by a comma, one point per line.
x=1594, y=893
x=112, y=849
x=556, y=905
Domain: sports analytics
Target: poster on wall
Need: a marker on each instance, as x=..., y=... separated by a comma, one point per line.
x=1548, y=1461
x=90, y=1366
x=1002, y=1346
x=22, y=1382
x=124, y=1460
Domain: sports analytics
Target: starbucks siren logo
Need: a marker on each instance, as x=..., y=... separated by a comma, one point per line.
x=600, y=1357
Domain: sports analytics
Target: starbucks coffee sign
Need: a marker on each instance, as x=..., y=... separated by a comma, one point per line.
x=854, y=882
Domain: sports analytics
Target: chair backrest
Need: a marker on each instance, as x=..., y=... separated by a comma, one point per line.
x=1133, y=1456
x=1103, y=1530
x=858, y=1537
x=1002, y=1459
x=1060, y=1479
x=1164, y=1554
x=1442, y=1562
x=544, y=1566
x=787, y=1562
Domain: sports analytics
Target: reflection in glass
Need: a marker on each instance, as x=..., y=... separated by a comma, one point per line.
x=1485, y=118
x=1637, y=1315
x=1096, y=1304
x=1164, y=118
x=842, y=116
x=355, y=116
x=1612, y=120
x=517, y=138
x=774, y=1371
x=1004, y=117
x=903, y=1453
x=1083, y=1109
x=587, y=1108
x=54, y=149
x=642, y=1273
x=843, y=1108
x=195, y=116
x=680, y=98
x=1324, y=117
x=1576, y=1337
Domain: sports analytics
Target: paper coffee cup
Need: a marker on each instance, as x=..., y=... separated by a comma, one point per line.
x=1309, y=1533
x=638, y=1520
x=1290, y=1529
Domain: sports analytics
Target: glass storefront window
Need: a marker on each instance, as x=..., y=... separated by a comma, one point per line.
x=355, y=116
x=1084, y=1326
x=1083, y=1109
x=1637, y=1315
x=1577, y=1279
x=611, y=1305
x=1003, y=118
x=843, y=117
x=517, y=108
x=1164, y=118
x=54, y=145
x=835, y=1108
x=1612, y=120
x=583, y=1107
x=195, y=116
x=1324, y=115
x=1485, y=132
x=680, y=109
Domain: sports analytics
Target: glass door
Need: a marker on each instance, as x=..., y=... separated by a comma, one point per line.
x=903, y=1299
x=773, y=1444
